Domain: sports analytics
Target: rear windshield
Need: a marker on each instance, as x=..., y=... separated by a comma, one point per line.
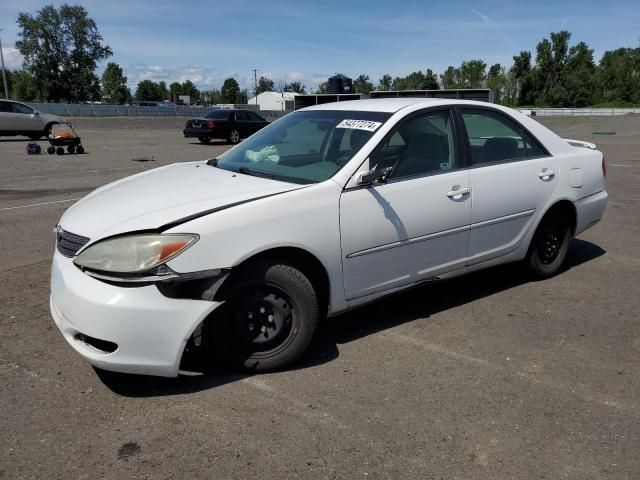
x=304, y=147
x=219, y=114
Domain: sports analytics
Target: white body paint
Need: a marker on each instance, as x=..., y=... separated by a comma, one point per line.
x=371, y=240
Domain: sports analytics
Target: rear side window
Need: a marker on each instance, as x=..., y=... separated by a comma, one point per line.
x=493, y=137
x=242, y=116
x=254, y=117
x=5, y=107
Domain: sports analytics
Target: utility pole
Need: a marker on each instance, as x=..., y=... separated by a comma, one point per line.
x=4, y=75
x=255, y=84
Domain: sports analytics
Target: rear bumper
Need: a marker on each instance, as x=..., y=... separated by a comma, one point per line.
x=204, y=132
x=148, y=329
x=590, y=210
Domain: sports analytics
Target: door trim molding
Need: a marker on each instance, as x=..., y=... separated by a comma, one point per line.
x=409, y=241
x=506, y=218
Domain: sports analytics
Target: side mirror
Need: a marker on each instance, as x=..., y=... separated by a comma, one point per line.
x=374, y=175
x=36, y=113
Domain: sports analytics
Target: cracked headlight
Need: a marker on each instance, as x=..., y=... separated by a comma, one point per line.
x=131, y=254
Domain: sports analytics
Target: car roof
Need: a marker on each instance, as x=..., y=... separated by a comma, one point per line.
x=389, y=105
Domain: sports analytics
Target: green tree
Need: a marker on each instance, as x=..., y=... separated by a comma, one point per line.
x=496, y=81
x=473, y=74
x=264, y=85
x=148, y=90
x=230, y=90
x=163, y=91
x=431, y=80
x=189, y=88
x=242, y=98
x=322, y=88
x=384, y=84
x=362, y=84
x=296, y=87
x=618, y=76
x=22, y=86
x=114, y=85
x=176, y=88
x=211, y=97
x=61, y=49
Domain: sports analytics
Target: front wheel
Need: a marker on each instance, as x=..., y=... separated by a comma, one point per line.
x=269, y=317
x=234, y=136
x=549, y=246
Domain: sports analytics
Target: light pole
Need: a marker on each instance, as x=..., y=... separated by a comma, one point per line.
x=4, y=75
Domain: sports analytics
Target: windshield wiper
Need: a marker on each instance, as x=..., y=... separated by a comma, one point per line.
x=248, y=171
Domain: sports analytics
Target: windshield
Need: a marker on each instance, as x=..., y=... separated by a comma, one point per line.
x=219, y=114
x=304, y=147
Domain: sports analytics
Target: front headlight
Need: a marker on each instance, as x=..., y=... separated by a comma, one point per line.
x=134, y=253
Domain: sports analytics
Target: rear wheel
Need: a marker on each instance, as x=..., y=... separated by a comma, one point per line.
x=60, y=151
x=269, y=317
x=71, y=149
x=51, y=150
x=234, y=136
x=549, y=246
x=80, y=149
x=204, y=140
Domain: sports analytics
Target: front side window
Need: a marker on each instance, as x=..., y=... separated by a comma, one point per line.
x=304, y=147
x=422, y=145
x=495, y=138
x=255, y=117
x=19, y=108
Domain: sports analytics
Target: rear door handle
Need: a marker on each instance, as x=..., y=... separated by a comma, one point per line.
x=546, y=174
x=459, y=193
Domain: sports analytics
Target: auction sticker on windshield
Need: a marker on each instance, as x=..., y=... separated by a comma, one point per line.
x=366, y=125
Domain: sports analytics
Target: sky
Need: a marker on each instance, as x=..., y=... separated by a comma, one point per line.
x=209, y=41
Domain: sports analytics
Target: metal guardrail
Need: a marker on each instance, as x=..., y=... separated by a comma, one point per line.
x=582, y=112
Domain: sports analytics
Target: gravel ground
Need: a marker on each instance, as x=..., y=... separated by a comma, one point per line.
x=486, y=376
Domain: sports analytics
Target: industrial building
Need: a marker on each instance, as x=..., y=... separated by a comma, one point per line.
x=276, y=101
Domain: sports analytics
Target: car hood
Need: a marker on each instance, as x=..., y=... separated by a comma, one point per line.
x=163, y=196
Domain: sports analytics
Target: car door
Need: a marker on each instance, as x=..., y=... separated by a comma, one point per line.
x=257, y=122
x=26, y=118
x=7, y=117
x=243, y=124
x=512, y=178
x=416, y=225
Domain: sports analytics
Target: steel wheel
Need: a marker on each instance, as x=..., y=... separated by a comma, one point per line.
x=549, y=245
x=268, y=318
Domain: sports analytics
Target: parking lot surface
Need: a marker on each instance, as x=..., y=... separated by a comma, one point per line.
x=485, y=376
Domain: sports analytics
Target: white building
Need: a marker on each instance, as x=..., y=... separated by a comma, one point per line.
x=273, y=100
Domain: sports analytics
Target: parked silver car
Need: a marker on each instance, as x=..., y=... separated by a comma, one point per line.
x=19, y=119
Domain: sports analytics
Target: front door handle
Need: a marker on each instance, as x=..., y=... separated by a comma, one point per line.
x=459, y=193
x=546, y=174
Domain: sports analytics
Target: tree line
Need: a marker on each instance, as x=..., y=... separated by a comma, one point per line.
x=62, y=47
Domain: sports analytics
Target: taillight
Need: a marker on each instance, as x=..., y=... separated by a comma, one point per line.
x=604, y=167
x=211, y=125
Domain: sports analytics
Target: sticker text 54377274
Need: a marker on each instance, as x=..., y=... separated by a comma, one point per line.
x=366, y=125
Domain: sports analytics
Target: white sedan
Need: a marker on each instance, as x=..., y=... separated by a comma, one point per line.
x=326, y=209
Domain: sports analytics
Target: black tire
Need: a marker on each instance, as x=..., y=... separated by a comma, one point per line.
x=549, y=246
x=71, y=149
x=51, y=150
x=204, y=140
x=269, y=317
x=60, y=151
x=234, y=136
x=80, y=149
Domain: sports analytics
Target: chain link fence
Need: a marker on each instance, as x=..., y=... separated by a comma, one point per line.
x=85, y=110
